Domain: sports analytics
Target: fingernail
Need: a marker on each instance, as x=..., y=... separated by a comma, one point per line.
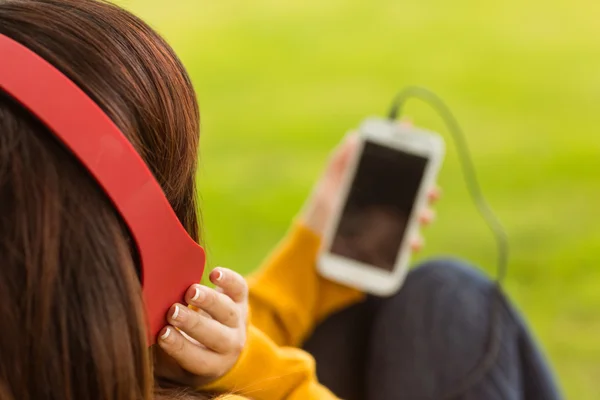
x=219, y=275
x=175, y=313
x=428, y=215
x=196, y=293
x=165, y=334
x=405, y=122
x=435, y=193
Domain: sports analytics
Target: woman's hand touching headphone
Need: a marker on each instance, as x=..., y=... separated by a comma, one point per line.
x=201, y=344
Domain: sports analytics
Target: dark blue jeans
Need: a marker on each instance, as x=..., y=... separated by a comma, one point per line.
x=428, y=340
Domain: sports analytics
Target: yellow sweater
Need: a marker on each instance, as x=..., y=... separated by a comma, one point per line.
x=287, y=299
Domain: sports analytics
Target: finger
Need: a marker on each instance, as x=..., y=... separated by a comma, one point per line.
x=206, y=331
x=202, y=312
x=343, y=153
x=190, y=357
x=406, y=122
x=434, y=194
x=233, y=284
x=426, y=217
x=417, y=244
x=350, y=141
x=218, y=305
x=191, y=339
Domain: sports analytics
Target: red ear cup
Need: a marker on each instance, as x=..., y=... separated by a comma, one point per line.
x=170, y=259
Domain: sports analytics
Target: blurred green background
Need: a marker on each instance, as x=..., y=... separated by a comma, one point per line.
x=280, y=82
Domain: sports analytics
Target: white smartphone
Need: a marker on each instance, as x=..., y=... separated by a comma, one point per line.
x=367, y=242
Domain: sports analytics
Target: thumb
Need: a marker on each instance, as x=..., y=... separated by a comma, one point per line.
x=343, y=154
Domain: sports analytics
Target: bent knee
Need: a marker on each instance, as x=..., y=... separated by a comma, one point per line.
x=449, y=272
x=447, y=286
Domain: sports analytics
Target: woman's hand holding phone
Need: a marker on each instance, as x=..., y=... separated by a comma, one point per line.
x=320, y=207
x=198, y=347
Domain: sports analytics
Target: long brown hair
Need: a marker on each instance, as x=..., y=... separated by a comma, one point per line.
x=70, y=300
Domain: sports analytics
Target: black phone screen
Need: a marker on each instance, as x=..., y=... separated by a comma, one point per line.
x=380, y=201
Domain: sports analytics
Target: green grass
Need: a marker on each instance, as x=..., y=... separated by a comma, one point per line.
x=280, y=82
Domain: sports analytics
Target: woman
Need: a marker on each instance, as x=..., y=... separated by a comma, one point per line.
x=70, y=299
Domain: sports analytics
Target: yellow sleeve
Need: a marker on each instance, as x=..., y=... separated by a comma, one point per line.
x=288, y=298
x=266, y=371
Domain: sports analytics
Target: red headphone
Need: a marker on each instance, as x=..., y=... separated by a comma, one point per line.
x=170, y=259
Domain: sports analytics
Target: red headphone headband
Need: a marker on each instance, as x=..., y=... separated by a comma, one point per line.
x=170, y=259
